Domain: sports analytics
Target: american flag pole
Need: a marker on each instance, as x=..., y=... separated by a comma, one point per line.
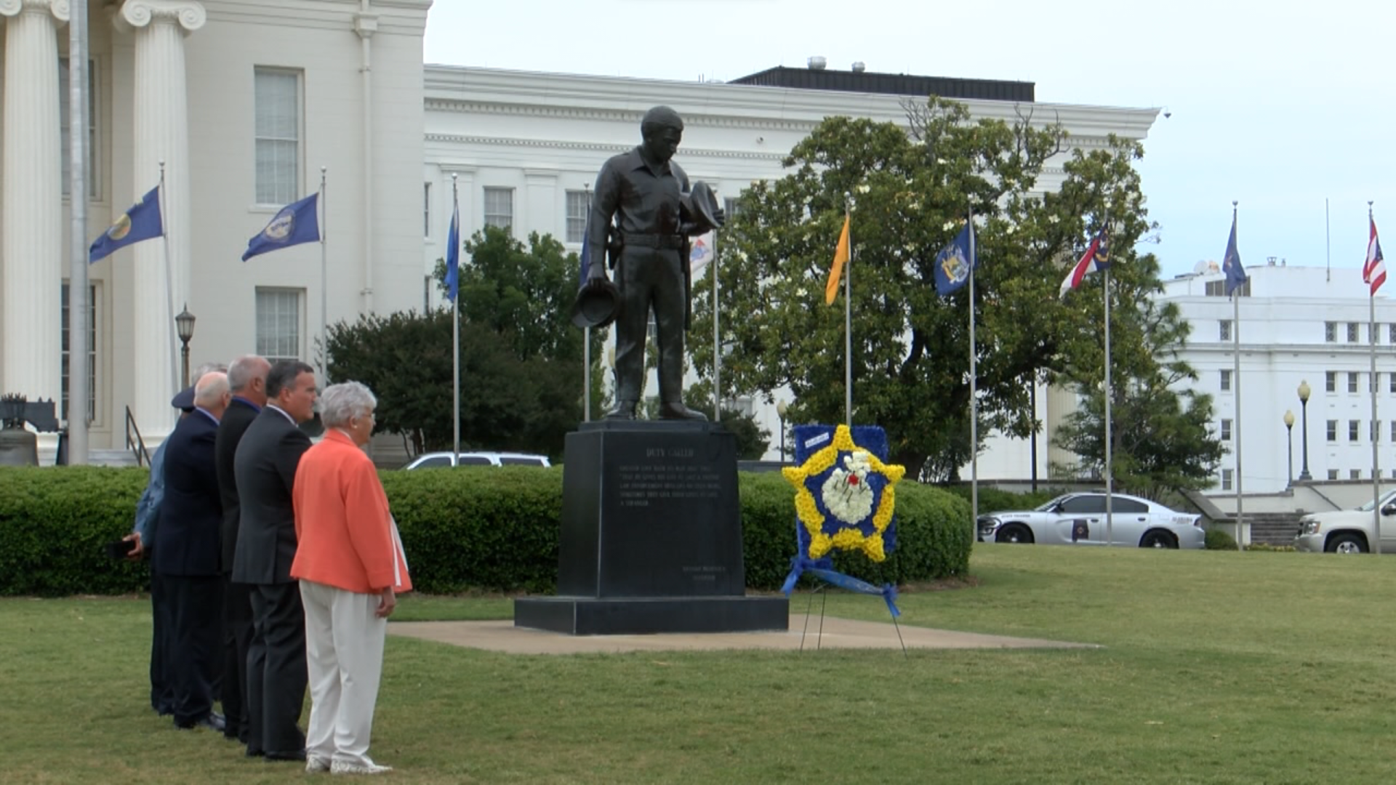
x=1374, y=273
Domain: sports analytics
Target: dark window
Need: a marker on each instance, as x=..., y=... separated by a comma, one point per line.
x=518, y=461
x=1128, y=505
x=1088, y=503
x=435, y=462
x=475, y=460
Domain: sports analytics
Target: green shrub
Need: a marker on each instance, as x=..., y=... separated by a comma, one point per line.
x=1269, y=548
x=489, y=527
x=55, y=523
x=1218, y=540
x=492, y=528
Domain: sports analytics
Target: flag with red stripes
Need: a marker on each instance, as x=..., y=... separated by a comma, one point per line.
x=1374, y=271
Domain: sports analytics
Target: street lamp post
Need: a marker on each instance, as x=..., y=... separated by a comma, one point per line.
x=1289, y=431
x=1304, y=391
x=184, y=324
x=780, y=412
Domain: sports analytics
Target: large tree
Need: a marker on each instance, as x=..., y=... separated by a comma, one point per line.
x=911, y=187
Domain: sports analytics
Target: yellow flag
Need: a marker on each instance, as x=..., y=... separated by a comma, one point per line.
x=831, y=289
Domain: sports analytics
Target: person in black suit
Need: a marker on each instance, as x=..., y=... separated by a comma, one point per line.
x=247, y=376
x=187, y=552
x=142, y=537
x=264, y=466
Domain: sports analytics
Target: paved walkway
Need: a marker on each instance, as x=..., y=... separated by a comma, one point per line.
x=837, y=633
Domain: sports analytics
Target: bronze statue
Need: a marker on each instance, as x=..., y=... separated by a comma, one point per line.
x=642, y=216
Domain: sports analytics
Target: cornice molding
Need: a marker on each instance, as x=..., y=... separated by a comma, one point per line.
x=58, y=10
x=592, y=147
x=188, y=14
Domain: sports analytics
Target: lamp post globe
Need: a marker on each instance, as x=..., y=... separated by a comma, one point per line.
x=184, y=327
x=1304, y=392
x=1289, y=432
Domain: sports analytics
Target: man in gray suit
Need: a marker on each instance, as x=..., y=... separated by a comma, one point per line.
x=265, y=468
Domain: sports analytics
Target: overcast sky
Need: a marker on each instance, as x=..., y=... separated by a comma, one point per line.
x=1278, y=105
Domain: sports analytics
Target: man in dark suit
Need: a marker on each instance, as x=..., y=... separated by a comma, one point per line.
x=264, y=466
x=187, y=551
x=247, y=376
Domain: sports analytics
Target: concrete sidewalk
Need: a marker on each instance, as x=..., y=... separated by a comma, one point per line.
x=836, y=633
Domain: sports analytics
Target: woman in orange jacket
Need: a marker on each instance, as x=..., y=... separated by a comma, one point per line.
x=351, y=568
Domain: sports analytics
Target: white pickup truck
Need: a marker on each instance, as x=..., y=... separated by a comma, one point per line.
x=1348, y=531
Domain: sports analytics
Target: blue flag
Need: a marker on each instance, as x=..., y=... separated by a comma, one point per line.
x=296, y=223
x=954, y=262
x=1231, y=263
x=141, y=222
x=453, y=254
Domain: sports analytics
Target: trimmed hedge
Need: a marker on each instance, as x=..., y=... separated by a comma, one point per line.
x=493, y=528
x=55, y=523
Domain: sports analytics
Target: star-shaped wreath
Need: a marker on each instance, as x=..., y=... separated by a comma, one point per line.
x=844, y=494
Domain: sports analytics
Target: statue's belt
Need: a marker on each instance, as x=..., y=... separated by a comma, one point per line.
x=666, y=241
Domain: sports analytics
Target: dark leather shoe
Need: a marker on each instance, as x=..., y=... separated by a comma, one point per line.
x=625, y=410
x=677, y=411
x=213, y=721
x=295, y=755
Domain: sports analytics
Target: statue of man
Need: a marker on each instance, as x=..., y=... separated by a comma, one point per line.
x=641, y=192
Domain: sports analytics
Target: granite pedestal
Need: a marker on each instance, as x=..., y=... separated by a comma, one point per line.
x=651, y=536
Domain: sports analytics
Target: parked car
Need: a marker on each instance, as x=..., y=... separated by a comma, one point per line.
x=1348, y=531
x=442, y=460
x=1079, y=518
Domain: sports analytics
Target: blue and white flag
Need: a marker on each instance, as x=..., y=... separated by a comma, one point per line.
x=296, y=223
x=453, y=254
x=1231, y=263
x=141, y=222
x=954, y=262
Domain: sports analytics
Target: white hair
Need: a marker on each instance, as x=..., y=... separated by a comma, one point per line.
x=211, y=387
x=342, y=402
x=246, y=368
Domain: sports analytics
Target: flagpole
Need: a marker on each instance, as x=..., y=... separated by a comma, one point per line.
x=1236, y=383
x=1109, y=438
x=717, y=345
x=848, y=316
x=973, y=385
x=1376, y=432
x=455, y=331
x=78, y=369
x=586, y=331
x=169, y=283
x=324, y=284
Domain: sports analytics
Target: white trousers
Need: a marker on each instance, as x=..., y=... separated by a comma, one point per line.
x=344, y=658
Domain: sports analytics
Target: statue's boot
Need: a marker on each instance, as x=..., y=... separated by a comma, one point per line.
x=624, y=410
x=675, y=410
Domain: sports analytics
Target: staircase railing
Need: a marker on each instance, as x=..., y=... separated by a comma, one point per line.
x=134, y=442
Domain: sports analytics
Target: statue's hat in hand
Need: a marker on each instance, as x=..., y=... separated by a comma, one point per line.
x=597, y=304
x=700, y=207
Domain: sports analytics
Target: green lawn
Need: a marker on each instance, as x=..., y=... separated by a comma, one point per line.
x=1218, y=667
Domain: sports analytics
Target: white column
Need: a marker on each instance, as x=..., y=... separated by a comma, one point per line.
x=32, y=223
x=161, y=134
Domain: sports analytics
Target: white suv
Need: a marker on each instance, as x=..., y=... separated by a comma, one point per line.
x=1348, y=531
x=441, y=460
